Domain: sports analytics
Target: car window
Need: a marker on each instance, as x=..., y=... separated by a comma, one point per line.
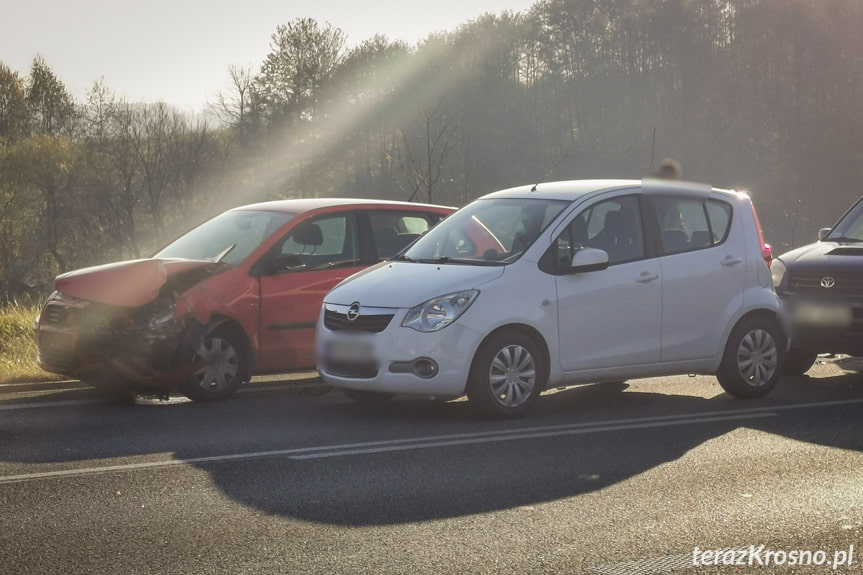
x=613, y=226
x=850, y=226
x=687, y=224
x=238, y=232
x=573, y=238
x=854, y=231
x=320, y=243
x=394, y=230
x=719, y=217
x=490, y=231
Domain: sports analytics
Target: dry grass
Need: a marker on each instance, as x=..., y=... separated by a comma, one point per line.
x=17, y=346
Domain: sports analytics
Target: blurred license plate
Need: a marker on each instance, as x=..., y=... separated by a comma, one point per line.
x=348, y=350
x=823, y=315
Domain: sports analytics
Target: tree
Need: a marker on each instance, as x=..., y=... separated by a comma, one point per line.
x=96, y=114
x=20, y=262
x=51, y=106
x=49, y=168
x=425, y=153
x=497, y=140
x=171, y=157
x=13, y=105
x=154, y=128
x=121, y=205
x=234, y=108
x=294, y=74
x=367, y=86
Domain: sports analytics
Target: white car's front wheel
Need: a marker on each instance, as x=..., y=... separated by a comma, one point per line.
x=508, y=374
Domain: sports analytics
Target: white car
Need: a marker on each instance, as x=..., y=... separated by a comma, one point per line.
x=563, y=283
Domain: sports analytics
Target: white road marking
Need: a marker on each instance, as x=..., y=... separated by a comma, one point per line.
x=511, y=435
x=407, y=443
x=415, y=443
x=648, y=566
x=36, y=405
x=143, y=399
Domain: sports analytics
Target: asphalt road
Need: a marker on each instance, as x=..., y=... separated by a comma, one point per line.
x=290, y=477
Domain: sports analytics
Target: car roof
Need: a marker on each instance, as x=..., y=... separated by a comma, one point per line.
x=301, y=205
x=573, y=189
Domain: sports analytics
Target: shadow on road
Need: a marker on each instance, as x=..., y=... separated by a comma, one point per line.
x=450, y=473
x=438, y=483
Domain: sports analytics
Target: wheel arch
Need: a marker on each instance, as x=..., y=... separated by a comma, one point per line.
x=526, y=330
x=762, y=313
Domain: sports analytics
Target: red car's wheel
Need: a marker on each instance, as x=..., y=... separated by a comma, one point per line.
x=225, y=354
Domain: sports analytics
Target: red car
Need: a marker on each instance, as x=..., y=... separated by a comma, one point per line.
x=237, y=296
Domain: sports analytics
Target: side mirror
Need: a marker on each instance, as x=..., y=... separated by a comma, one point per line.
x=589, y=260
x=288, y=262
x=823, y=233
x=272, y=265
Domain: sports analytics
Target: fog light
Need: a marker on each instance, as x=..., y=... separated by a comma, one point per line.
x=425, y=368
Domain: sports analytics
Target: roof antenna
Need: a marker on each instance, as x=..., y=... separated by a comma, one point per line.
x=549, y=172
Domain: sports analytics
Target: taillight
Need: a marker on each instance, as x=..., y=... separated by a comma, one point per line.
x=766, y=250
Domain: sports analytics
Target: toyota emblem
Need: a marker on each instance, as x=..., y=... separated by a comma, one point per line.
x=828, y=282
x=354, y=311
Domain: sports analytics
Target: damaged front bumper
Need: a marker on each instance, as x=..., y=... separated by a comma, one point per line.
x=105, y=345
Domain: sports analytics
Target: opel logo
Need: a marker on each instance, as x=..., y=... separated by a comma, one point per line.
x=828, y=282
x=354, y=311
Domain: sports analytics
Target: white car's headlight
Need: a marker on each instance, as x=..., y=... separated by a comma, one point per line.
x=439, y=312
x=777, y=270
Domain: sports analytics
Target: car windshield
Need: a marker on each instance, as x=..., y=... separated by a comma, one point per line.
x=492, y=231
x=850, y=227
x=232, y=235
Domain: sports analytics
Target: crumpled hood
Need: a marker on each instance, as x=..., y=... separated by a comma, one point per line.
x=826, y=254
x=129, y=284
x=398, y=284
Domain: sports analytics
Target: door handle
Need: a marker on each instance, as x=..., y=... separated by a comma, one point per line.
x=731, y=261
x=647, y=277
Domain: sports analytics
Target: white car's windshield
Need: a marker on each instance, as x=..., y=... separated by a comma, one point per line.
x=235, y=234
x=492, y=231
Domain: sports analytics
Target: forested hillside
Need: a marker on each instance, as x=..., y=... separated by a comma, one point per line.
x=763, y=95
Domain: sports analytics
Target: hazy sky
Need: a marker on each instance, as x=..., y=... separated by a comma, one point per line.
x=179, y=51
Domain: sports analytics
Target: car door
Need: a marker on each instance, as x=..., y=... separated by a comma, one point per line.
x=311, y=259
x=703, y=274
x=611, y=317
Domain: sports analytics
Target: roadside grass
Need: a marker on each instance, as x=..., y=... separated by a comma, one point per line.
x=17, y=346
